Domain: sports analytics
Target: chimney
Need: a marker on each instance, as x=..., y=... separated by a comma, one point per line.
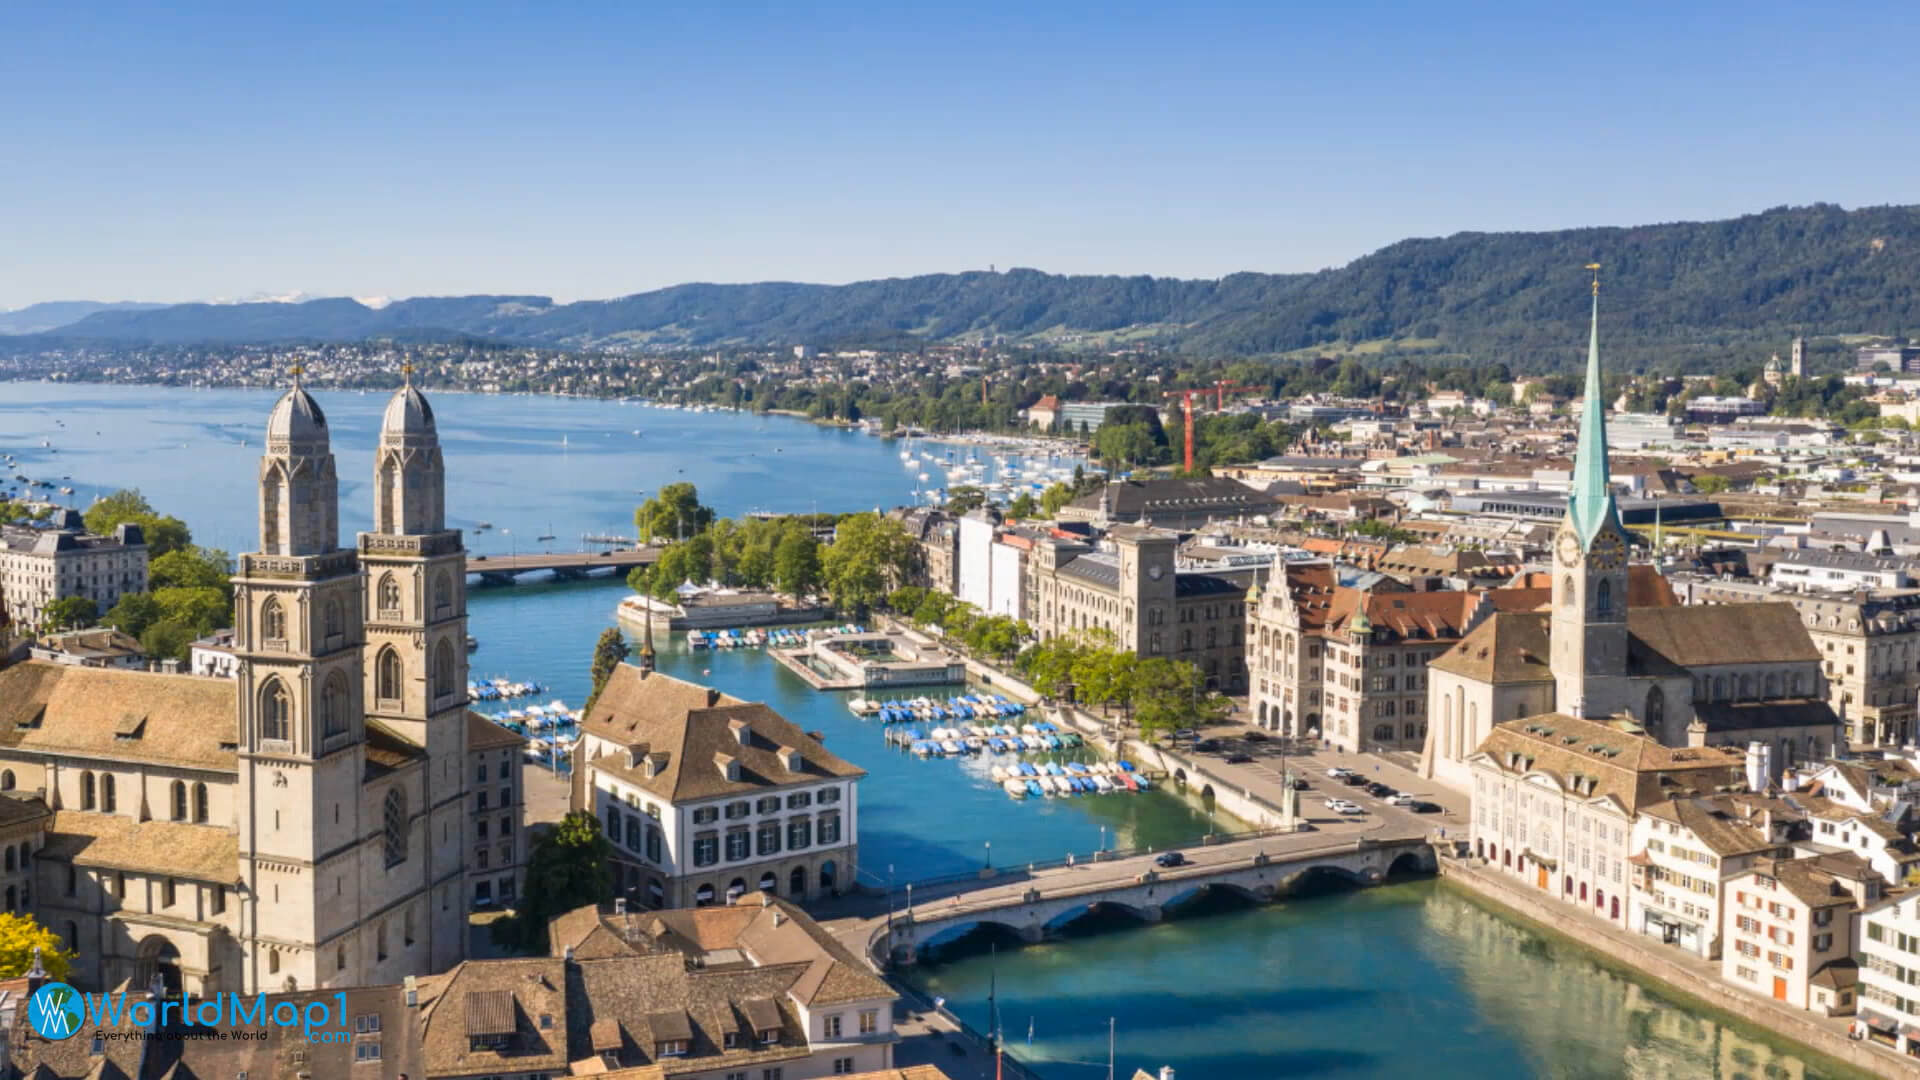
x=412, y=989
x=1756, y=766
x=619, y=905
x=567, y=954
x=1166, y=1072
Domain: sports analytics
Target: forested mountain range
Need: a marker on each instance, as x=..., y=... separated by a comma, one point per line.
x=1693, y=288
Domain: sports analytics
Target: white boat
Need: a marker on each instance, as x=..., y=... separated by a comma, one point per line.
x=1016, y=788
x=1105, y=785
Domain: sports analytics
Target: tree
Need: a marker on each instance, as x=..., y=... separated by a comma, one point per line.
x=204, y=608
x=1023, y=506
x=1167, y=693
x=796, y=565
x=1126, y=444
x=191, y=567
x=673, y=512
x=1055, y=497
x=1710, y=483
x=905, y=599
x=134, y=613
x=567, y=869
x=608, y=652
x=170, y=639
x=964, y=498
x=870, y=555
x=19, y=936
x=162, y=534
x=71, y=612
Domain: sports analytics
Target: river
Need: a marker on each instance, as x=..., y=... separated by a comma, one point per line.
x=1409, y=979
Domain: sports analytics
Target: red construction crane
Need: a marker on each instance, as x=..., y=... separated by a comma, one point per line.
x=1221, y=389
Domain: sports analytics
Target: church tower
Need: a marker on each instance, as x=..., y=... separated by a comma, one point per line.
x=1589, y=620
x=416, y=655
x=301, y=732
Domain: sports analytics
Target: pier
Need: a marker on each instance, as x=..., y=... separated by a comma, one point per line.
x=509, y=569
x=1036, y=902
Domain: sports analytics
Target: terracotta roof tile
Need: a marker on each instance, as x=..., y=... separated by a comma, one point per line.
x=114, y=841
x=111, y=713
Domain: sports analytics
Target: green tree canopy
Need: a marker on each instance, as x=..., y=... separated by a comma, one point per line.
x=568, y=868
x=163, y=534
x=870, y=555
x=674, y=511
x=191, y=567
x=71, y=613
x=608, y=653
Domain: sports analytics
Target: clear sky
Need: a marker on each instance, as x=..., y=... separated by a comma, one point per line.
x=592, y=150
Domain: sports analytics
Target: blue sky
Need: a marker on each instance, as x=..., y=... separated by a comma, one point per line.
x=581, y=150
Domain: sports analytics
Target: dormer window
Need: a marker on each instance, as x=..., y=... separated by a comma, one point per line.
x=670, y=1048
x=791, y=760
x=767, y=1036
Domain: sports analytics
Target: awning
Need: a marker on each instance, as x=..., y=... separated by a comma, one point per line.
x=1874, y=1020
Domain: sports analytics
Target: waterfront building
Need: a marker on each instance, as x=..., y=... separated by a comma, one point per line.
x=496, y=825
x=1131, y=590
x=1878, y=839
x=1790, y=927
x=39, y=566
x=1686, y=676
x=706, y=797
x=1839, y=571
x=1685, y=849
x=973, y=578
x=1350, y=665
x=1085, y=417
x=1888, y=1006
x=1168, y=502
x=302, y=824
x=1555, y=799
x=1042, y=414
x=756, y=990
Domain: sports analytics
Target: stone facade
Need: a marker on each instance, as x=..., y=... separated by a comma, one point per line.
x=39, y=566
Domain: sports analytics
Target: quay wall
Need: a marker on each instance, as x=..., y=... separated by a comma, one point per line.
x=1657, y=962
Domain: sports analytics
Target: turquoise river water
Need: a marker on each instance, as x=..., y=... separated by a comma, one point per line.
x=1405, y=980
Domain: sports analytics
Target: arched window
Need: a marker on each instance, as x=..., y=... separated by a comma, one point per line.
x=1719, y=688
x=273, y=961
x=1746, y=687
x=86, y=790
x=797, y=883
x=333, y=706
x=442, y=594
x=200, y=814
x=1603, y=597
x=1773, y=685
x=396, y=811
x=6, y=779
x=1656, y=711
x=387, y=672
x=107, y=800
x=389, y=593
x=442, y=669
x=276, y=711
x=273, y=620
x=178, y=800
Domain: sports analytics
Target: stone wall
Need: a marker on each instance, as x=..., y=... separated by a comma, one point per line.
x=1661, y=964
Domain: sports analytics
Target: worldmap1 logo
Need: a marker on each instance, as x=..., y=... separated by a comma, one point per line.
x=56, y=1011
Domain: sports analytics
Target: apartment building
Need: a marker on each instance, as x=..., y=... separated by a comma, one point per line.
x=1790, y=930
x=39, y=566
x=1888, y=1003
x=496, y=829
x=1685, y=849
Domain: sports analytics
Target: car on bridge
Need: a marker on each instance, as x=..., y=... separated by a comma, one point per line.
x=1170, y=859
x=1342, y=806
x=1338, y=773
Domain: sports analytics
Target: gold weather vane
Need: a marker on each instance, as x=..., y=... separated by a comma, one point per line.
x=406, y=373
x=296, y=371
x=1595, y=267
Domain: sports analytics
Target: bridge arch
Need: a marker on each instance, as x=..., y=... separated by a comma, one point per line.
x=971, y=935
x=1408, y=863
x=1097, y=910
x=1211, y=893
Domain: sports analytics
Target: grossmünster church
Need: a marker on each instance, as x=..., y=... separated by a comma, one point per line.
x=302, y=824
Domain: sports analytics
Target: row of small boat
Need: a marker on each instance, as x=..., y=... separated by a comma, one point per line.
x=755, y=637
x=962, y=707
x=974, y=739
x=502, y=690
x=1029, y=780
x=536, y=717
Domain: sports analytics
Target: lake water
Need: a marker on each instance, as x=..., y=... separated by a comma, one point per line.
x=1406, y=980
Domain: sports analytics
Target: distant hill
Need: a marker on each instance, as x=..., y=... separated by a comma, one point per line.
x=54, y=314
x=1508, y=296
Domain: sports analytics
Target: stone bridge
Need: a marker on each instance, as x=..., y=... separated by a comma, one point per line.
x=1258, y=870
x=506, y=569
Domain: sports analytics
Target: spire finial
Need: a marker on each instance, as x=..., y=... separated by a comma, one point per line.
x=1595, y=267
x=406, y=374
x=296, y=371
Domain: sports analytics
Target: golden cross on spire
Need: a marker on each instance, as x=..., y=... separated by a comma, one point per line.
x=406, y=373
x=296, y=371
x=1595, y=267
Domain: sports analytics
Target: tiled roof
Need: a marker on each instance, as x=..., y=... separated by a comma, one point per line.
x=1701, y=635
x=1646, y=587
x=1754, y=715
x=1095, y=568
x=1717, y=822
x=117, y=842
x=1508, y=647
x=1610, y=760
x=387, y=750
x=484, y=734
x=534, y=1009
x=685, y=728
x=1409, y=616
x=127, y=715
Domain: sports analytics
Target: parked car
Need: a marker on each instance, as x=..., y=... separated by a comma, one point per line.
x=1401, y=798
x=1380, y=791
x=1298, y=783
x=1256, y=736
x=1171, y=858
x=1207, y=746
x=1186, y=733
x=1425, y=808
x=1354, y=779
x=1342, y=806
x=1238, y=758
x=1338, y=773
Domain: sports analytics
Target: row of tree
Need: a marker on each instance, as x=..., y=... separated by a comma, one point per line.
x=1160, y=694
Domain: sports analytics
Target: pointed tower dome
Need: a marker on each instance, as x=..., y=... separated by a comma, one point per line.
x=296, y=422
x=1591, y=504
x=299, y=495
x=409, y=475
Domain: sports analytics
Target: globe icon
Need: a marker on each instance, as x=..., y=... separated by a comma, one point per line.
x=56, y=1011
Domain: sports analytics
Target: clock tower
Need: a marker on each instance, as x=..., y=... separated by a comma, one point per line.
x=1589, y=620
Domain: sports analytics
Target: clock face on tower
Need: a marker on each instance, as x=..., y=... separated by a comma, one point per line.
x=1608, y=553
x=1569, y=549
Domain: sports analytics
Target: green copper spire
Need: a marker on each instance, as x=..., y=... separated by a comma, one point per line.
x=1591, y=504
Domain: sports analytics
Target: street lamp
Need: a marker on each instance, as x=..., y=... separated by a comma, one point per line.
x=989, y=854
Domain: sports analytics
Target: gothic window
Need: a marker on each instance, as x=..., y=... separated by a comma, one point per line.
x=179, y=800
x=336, y=624
x=86, y=791
x=275, y=711
x=1773, y=684
x=396, y=839
x=387, y=675
x=200, y=804
x=333, y=706
x=1719, y=688
x=1603, y=598
x=107, y=801
x=442, y=670
x=1656, y=710
x=442, y=594
x=273, y=621
x=389, y=593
